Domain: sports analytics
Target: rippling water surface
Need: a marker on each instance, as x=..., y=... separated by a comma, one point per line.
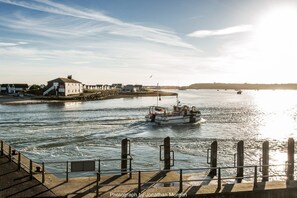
x=94, y=130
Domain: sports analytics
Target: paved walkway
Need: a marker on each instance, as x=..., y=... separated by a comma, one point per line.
x=17, y=183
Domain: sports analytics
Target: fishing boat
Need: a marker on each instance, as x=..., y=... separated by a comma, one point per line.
x=153, y=112
x=178, y=115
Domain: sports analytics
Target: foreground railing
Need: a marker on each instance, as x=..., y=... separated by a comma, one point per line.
x=219, y=178
x=37, y=170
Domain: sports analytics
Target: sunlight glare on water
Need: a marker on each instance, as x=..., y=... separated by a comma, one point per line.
x=278, y=109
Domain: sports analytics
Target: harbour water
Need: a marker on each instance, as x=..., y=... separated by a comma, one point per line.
x=94, y=129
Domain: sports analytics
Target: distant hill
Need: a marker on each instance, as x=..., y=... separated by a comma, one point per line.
x=242, y=86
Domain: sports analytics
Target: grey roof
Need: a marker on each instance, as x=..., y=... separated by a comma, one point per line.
x=65, y=80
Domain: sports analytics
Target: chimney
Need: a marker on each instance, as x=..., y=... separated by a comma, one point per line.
x=69, y=76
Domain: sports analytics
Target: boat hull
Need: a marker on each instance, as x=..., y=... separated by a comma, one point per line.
x=165, y=120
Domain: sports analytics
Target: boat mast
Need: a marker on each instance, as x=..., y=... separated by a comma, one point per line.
x=157, y=94
x=177, y=101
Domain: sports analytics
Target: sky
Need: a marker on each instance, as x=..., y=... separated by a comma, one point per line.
x=169, y=42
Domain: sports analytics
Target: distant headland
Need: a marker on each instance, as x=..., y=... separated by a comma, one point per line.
x=237, y=86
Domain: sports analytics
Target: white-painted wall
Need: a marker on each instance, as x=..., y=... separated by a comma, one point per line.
x=73, y=88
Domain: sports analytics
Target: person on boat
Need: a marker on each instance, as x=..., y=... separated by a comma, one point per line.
x=185, y=110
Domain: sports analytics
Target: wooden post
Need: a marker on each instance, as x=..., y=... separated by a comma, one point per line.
x=240, y=160
x=265, y=161
x=167, y=153
x=213, y=158
x=124, y=156
x=290, y=170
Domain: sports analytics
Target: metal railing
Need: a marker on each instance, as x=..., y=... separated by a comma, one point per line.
x=28, y=165
x=219, y=179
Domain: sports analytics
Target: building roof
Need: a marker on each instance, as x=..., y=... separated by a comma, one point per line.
x=15, y=85
x=64, y=80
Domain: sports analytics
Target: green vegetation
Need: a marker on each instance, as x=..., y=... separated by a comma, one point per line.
x=35, y=90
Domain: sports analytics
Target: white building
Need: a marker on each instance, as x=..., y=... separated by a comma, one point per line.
x=13, y=88
x=64, y=87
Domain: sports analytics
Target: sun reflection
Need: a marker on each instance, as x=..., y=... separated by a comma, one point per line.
x=278, y=157
x=279, y=160
x=272, y=101
x=276, y=116
x=279, y=126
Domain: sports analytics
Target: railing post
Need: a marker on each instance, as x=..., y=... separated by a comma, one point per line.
x=139, y=183
x=240, y=161
x=124, y=159
x=265, y=161
x=290, y=170
x=2, y=148
x=167, y=153
x=43, y=172
x=255, y=177
x=31, y=171
x=9, y=153
x=213, y=158
x=19, y=160
x=67, y=172
x=219, y=179
x=180, y=181
x=97, y=184
x=130, y=168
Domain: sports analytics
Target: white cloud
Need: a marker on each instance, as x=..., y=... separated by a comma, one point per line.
x=220, y=32
x=10, y=44
x=23, y=43
x=103, y=23
x=4, y=44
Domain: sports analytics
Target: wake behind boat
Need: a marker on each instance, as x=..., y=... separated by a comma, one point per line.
x=179, y=115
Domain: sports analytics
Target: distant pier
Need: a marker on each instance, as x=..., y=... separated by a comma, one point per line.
x=23, y=177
